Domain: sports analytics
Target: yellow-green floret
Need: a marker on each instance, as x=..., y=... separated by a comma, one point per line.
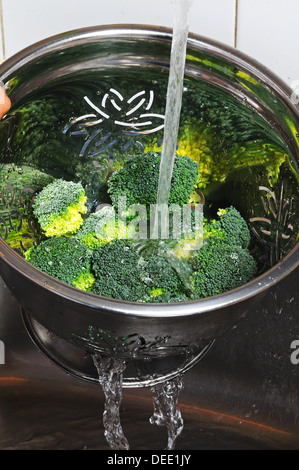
x=58, y=207
x=102, y=227
x=230, y=226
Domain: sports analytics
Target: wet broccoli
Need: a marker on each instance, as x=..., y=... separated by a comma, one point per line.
x=138, y=180
x=65, y=259
x=219, y=267
x=102, y=227
x=230, y=226
x=164, y=282
x=121, y=273
x=58, y=207
x=234, y=226
x=118, y=272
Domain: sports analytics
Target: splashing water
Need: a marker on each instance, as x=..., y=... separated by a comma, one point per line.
x=110, y=370
x=165, y=399
x=166, y=413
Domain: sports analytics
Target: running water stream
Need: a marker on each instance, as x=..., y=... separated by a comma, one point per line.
x=174, y=97
x=110, y=370
x=166, y=412
x=165, y=400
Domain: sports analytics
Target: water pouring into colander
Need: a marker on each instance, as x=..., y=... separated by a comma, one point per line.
x=97, y=89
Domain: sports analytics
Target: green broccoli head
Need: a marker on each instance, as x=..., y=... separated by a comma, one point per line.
x=138, y=180
x=219, y=267
x=58, y=207
x=65, y=259
x=234, y=226
x=164, y=281
x=230, y=226
x=118, y=272
x=102, y=227
x=212, y=229
x=121, y=273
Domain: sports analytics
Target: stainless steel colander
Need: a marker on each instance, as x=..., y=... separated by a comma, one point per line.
x=82, y=103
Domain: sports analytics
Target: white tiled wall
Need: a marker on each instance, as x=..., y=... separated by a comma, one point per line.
x=264, y=29
x=268, y=31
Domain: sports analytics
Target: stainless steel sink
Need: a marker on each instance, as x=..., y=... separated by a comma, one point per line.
x=244, y=394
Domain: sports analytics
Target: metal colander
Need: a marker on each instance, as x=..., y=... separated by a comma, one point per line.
x=85, y=101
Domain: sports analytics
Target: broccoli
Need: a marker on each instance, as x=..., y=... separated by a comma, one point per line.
x=102, y=227
x=118, y=272
x=121, y=273
x=138, y=180
x=16, y=178
x=222, y=136
x=234, y=226
x=219, y=267
x=212, y=229
x=164, y=282
x=230, y=226
x=65, y=259
x=58, y=207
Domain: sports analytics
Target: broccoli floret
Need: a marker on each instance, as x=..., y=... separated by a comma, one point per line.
x=18, y=184
x=121, y=273
x=138, y=180
x=58, y=207
x=212, y=229
x=163, y=280
x=102, y=227
x=220, y=267
x=16, y=178
x=118, y=272
x=230, y=226
x=236, y=230
x=65, y=259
